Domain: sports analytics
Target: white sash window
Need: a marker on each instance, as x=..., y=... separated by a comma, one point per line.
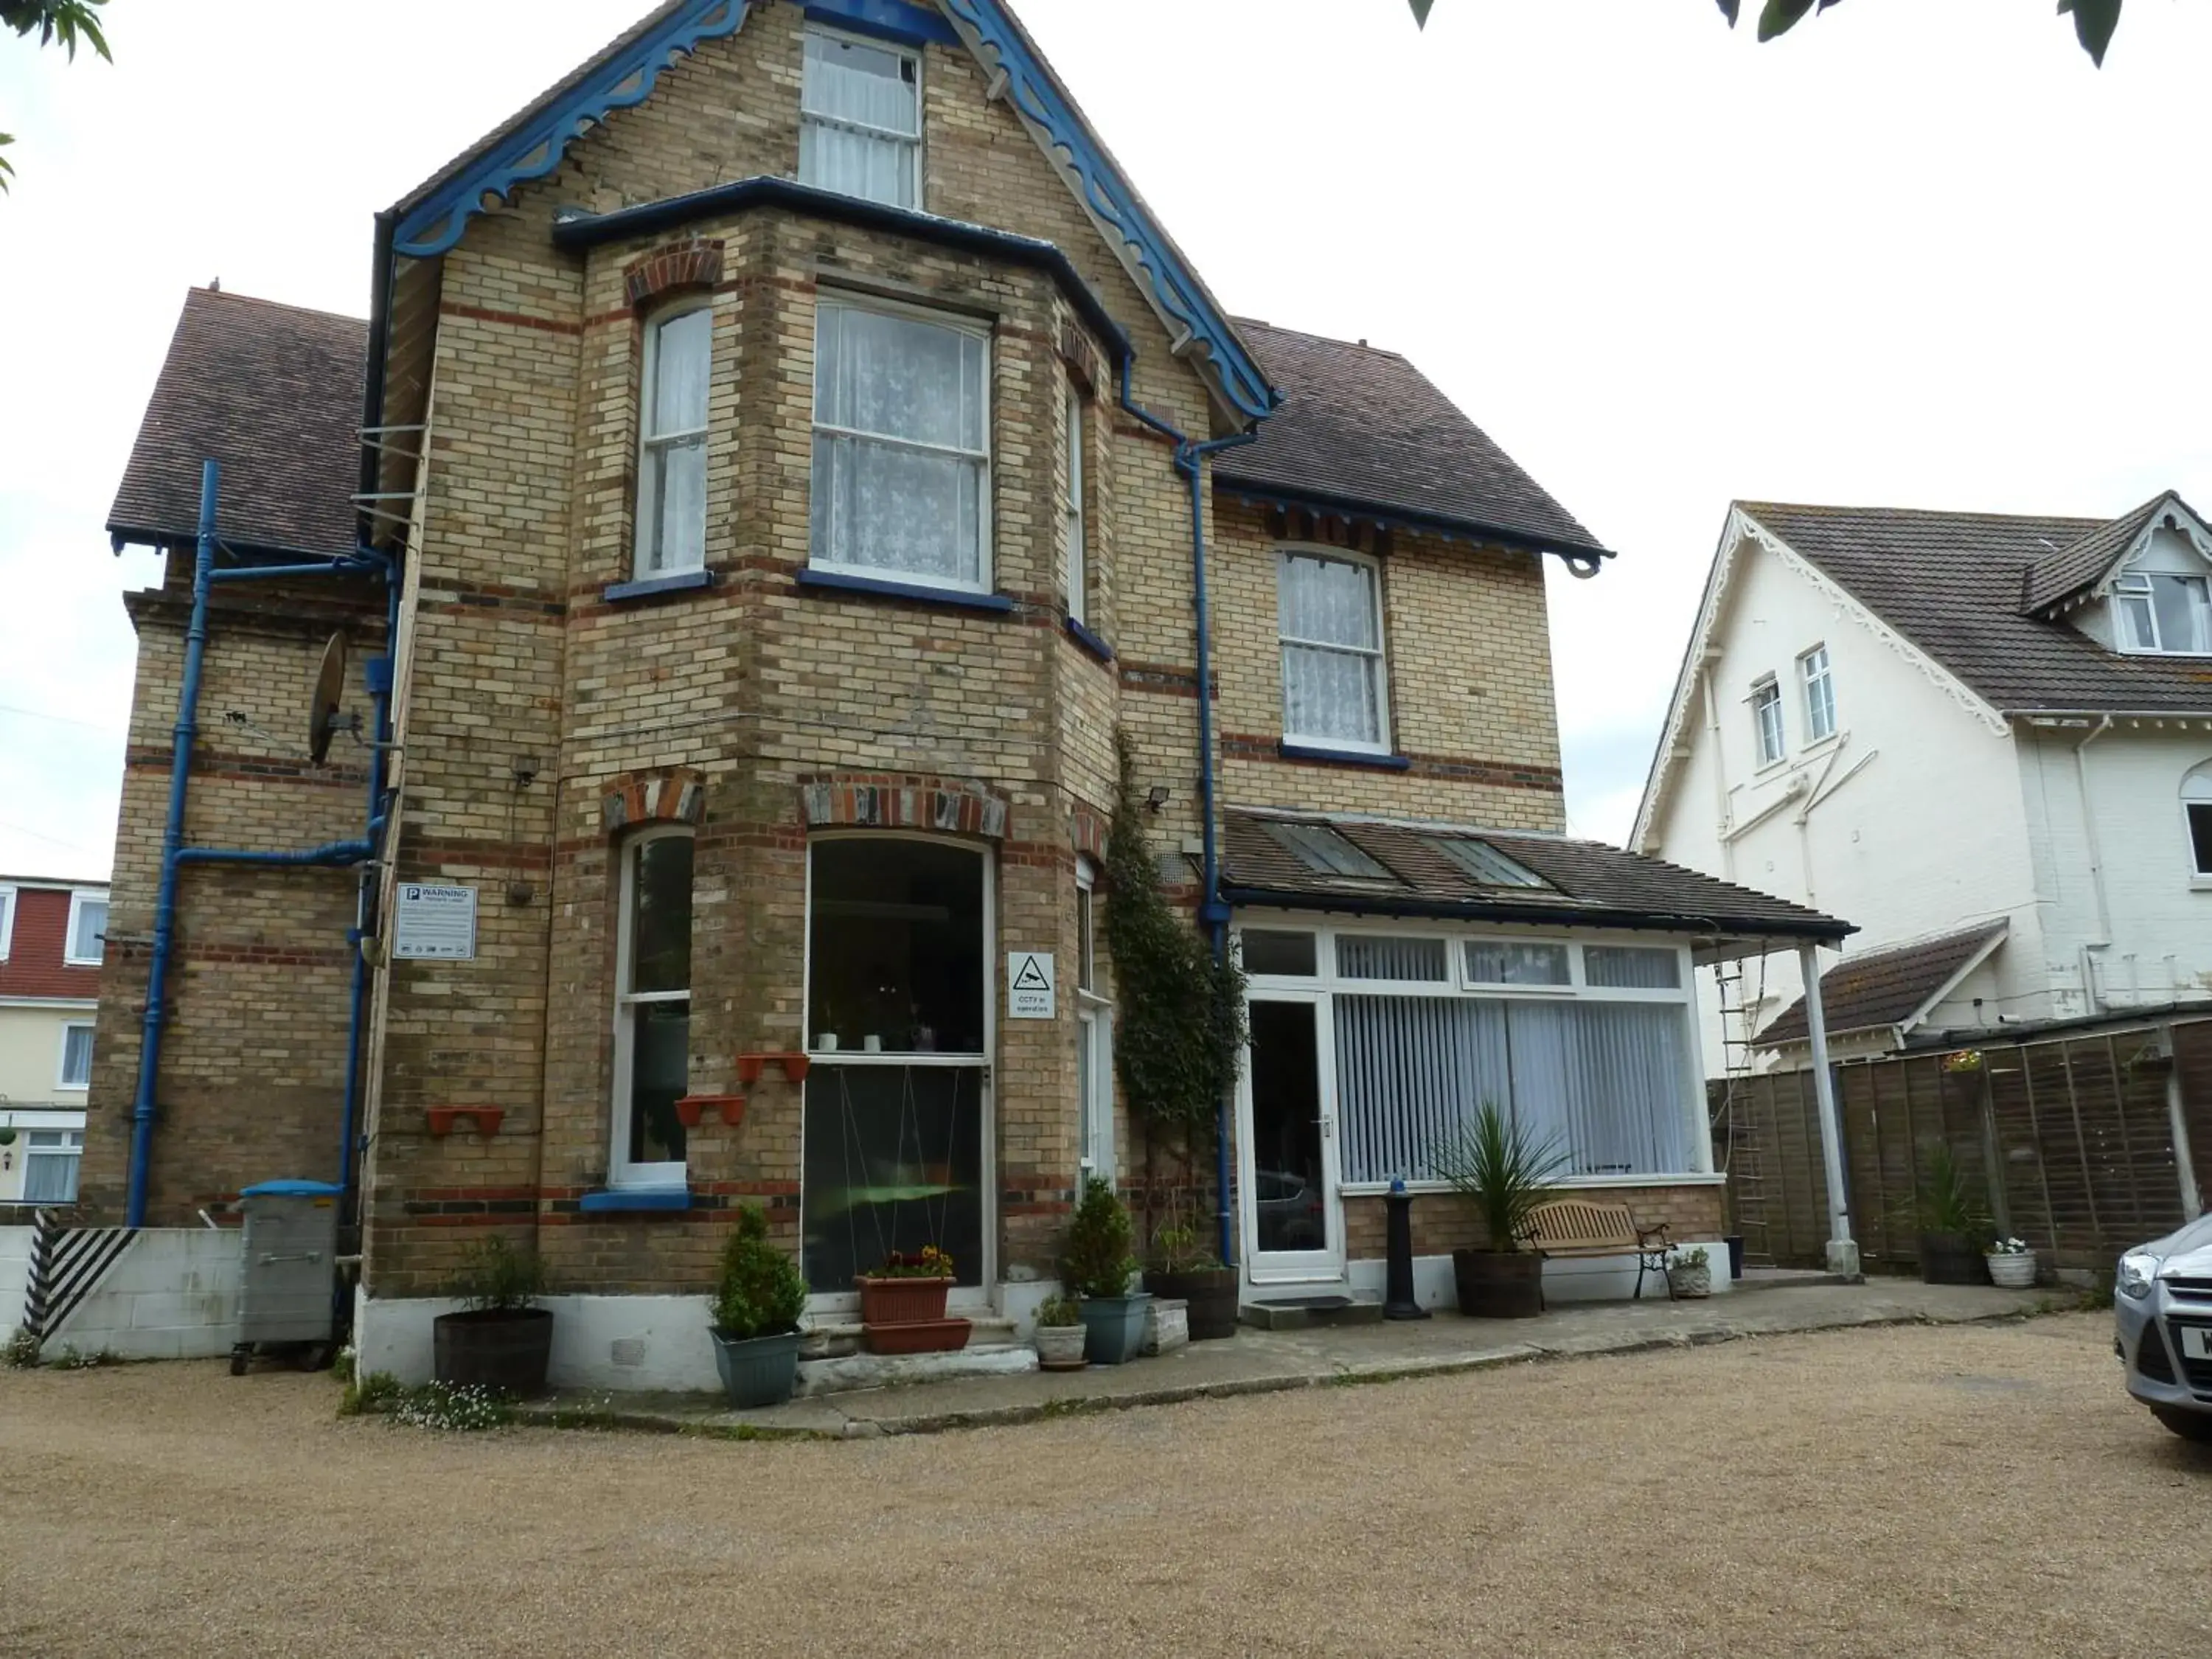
x=671, y=487
x=860, y=131
x=1329, y=616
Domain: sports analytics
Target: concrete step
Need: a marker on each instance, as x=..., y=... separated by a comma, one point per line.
x=1297, y=1313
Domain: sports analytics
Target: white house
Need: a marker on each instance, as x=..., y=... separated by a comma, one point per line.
x=1986, y=739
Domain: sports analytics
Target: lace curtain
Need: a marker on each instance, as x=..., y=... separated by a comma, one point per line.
x=1331, y=633
x=862, y=121
x=672, y=507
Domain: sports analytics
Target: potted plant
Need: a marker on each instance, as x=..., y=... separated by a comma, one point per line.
x=1507, y=1173
x=1060, y=1334
x=1183, y=1270
x=1953, y=1226
x=909, y=1288
x=758, y=1297
x=501, y=1339
x=2011, y=1263
x=1098, y=1271
x=1690, y=1274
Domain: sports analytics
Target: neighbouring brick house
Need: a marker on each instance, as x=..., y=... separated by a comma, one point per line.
x=52, y=935
x=786, y=437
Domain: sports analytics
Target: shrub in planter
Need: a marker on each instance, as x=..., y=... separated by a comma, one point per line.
x=758, y=1297
x=1953, y=1228
x=1690, y=1273
x=502, y=1341
x=1097, y=1269
x=1182, y=1269
x=1060, y=1334
x=1507, y=1173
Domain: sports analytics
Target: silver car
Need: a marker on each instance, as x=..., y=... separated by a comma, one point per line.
x=2162, y=1305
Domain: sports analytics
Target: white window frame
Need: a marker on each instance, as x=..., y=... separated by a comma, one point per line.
x=71, y=1149
x=972, y=1298
x=842, y=300
x=60, y=1063
x=79, y=898
x=2138, y=584
x=1816, y=679
x=1094, y=1018
x=649, y=442
x=1074, y=531
x=621, y=1172
x=1326, y=984
x=2196, y=797
x=1378, y=659
x=8, y=891
x=1765, y=693
x=913, y=140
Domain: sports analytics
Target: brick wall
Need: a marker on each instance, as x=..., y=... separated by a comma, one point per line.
x=1443, y=1222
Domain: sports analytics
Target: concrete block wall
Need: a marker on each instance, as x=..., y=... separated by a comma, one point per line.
x=173, y=1294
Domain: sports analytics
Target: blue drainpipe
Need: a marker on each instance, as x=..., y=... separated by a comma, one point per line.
x=175, y=855
x=1189, y=461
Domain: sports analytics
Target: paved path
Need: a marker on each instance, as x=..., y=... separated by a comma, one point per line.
x=1267, y=1362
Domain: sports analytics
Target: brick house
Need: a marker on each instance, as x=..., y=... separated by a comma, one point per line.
x=788, y=443
x=52, y=935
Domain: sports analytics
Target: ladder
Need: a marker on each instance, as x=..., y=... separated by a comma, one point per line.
x=1734, y=1120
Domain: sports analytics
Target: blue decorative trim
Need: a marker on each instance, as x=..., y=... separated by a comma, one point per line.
x=645, y=588
x=1089, y=641
x=870, y=587
x=292, y=1189
x=1301, y=751
x=1181, y=302
x=887, y=19
x=616, y=1199
x=620, y=79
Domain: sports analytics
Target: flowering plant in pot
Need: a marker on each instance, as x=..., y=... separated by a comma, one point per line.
x=1953, y=1227
x=1182, y=1269
x=501, y=1339
x=2011, y=1263
x=1690, y=1274
x=908, y=1288
x=1097, y=1271
x=1507, y=1173
x=1060, y=1334
x=758, y=1297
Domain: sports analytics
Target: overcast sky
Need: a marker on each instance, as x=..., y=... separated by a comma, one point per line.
x=1910, y=255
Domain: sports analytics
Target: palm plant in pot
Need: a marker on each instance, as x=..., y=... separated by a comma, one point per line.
x=1182, y=1269
x=1096, y=1272
x=1953, y=1227
x=758, y=1297
x=501, y=1339
x=1507, y=1173
x=1060, y=1334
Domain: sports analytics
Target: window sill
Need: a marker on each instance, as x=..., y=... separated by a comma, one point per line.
x=615, y=1200
x=1306, y=751
x=1089, y=641
x=873, y=587
x=2200, y=883
x=648, y=587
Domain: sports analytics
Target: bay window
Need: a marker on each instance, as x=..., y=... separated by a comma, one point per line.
x=1094, y=1038
x=1329, y=619
x=652, y=1009
x=859, y=125
x=901, y=461
x=1073, y=530
x=671, y=475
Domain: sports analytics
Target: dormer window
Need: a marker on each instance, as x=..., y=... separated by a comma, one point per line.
x=860, y=128
x=2168, y=615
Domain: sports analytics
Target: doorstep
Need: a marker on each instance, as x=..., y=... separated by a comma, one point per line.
x=1294, y=1312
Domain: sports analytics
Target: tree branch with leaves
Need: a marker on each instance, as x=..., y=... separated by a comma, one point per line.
x=63, y=22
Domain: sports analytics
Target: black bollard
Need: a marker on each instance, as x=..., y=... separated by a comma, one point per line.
x=1398, y=1277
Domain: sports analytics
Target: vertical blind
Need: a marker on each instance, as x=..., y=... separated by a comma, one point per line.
x=1606, y=1081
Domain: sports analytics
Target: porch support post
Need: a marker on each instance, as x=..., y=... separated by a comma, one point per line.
x=1843, y=1252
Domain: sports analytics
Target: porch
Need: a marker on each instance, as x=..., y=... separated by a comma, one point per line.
x=1764, y=1303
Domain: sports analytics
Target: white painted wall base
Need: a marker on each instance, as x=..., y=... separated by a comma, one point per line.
x=15, y=1275
x=1590, y=1279
x=173, y=1294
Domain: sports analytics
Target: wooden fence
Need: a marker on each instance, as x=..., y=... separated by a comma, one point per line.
x=2073, y=1139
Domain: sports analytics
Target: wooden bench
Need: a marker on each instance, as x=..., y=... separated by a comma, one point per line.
x=1571, y=1227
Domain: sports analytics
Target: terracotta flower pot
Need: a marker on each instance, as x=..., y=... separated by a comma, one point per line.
x=917, y=1336
x=901, y=1301
x=1498, y=1284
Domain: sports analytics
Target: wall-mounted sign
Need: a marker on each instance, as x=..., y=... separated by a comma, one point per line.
x=435, y=924
x=1029, y=984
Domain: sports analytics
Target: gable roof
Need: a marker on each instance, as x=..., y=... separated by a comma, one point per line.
x=530, y=145
x=1950, y=583
x=1587, y=884
x=1360, y=428
x=1889, y=987
x=272, y=394
x=2067, y=572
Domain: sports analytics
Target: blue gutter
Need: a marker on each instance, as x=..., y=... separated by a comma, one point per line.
x=175, y=854
x=1190, y=461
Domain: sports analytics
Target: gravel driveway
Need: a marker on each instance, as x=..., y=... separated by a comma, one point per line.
x=1955, y=1491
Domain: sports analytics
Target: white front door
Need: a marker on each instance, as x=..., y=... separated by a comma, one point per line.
x=1293, y=1224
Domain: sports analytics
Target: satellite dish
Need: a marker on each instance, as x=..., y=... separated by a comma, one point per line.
x=322, y=712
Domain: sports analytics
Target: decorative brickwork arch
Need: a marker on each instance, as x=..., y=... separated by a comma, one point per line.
x=875, y=801
x=673, y=268
x=677, y=796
